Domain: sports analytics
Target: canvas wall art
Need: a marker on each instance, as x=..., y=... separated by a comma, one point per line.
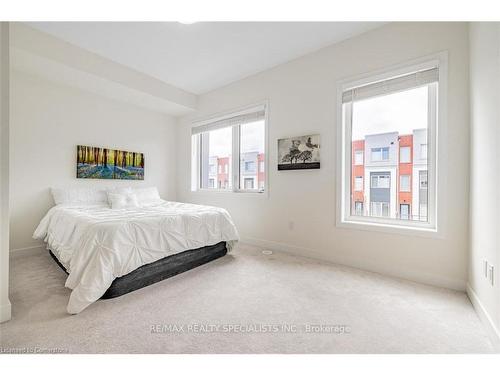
x=299, y=152
x=104, y=163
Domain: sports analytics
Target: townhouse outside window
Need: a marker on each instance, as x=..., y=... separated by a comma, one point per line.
x=229, y=153
x=393, y=121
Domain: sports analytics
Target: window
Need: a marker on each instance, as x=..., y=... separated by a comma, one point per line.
x=423, y=180
x=248, y=183
x=423, y=212
x=380, y=209
x=380, y=154
x=252, y=143
x=213, y=146
x=404, y=183
x=393, y=118
x=212, y=169
x=404, y=211
x=381, y=181
x=358, y=158
x=234, y=144
x=358, y=183
x=358, y=208
x=423, y=151
x=405, y=154
x=249, y=166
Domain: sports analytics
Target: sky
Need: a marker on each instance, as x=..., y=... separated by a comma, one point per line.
x=402, y=112
x=252, y=136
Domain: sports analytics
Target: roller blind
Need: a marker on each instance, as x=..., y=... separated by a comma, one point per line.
x=391, y=85
x=240, y=118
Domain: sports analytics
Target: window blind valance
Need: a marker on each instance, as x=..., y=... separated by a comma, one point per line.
x=237, y=119
x=391, y=85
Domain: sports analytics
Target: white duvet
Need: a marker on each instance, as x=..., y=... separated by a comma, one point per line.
x=97, y=244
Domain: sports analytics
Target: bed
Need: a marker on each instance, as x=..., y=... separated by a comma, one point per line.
x=109, y=252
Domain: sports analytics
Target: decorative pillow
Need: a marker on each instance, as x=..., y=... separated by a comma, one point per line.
x=118, y=201
x=79, y=195
x=118, y=190
x=147, y=195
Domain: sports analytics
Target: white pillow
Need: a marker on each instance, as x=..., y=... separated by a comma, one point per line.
x=147, y=195
x=118, y=200
x=118, y=190
x=79, y=195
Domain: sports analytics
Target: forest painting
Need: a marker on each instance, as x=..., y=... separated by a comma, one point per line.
x=103, y=163
x=298, y=153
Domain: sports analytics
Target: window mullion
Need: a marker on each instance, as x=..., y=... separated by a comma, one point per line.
x=236, y=157
x=200, y=161
x=432, y=153
x=347, y=162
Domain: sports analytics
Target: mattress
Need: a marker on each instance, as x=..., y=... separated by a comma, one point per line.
x=160, y=270
x=97, y=244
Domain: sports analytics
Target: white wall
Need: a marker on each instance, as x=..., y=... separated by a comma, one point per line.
x=302, y=97
x=48, y=121
x=5, y=307
x=485, y=161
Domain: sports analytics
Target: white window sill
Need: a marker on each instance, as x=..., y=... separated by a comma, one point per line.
x=250, y=193
x=419, y=229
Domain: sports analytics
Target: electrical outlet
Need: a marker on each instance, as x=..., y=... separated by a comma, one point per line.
x=491, y=274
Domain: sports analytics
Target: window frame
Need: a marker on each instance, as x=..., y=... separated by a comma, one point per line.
x=356, y=203
x=378, y=177
x=409, y=210
x=408, y=189
x=435, y=227
x=401, y=161
x=422, y=153
x=381, y=153
x=356, y=179
x=362, y=153
x=234, y=173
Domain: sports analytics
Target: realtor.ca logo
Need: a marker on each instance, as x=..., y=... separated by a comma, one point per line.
x=257, y=328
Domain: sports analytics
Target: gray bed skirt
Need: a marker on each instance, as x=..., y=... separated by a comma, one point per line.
x=161, y=269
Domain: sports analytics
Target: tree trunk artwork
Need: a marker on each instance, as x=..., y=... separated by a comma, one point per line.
x=104, y=163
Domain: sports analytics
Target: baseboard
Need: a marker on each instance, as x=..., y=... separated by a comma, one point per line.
x=405, y=274
x=25, y=250
x=485, y=317
x=5, y=311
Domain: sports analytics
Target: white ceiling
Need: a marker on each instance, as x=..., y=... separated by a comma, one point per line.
x=202, y=56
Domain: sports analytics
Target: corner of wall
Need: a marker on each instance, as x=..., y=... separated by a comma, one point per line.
x=483, y=235
x=5, y=306
x=484, y=316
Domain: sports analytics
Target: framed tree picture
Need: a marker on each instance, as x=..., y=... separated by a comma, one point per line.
x=299, y=152
x=105, y=163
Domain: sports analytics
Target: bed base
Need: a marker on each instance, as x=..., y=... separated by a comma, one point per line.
x=161, y=269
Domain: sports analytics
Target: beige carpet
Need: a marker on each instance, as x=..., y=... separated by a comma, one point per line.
x=246, y=302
